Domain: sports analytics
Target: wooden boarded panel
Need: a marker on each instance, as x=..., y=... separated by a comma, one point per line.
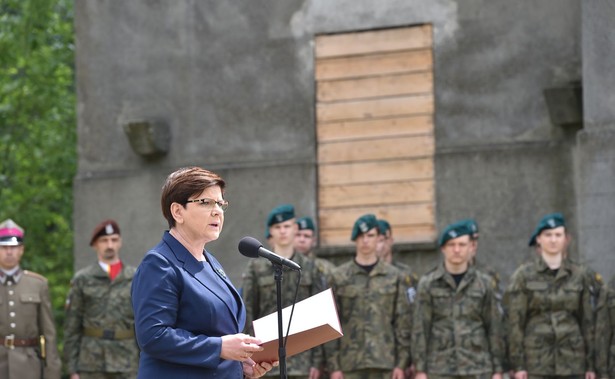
x=367, y=109
x=402, y=234
x=378, y=86
x=384, y=127
x=376, y=149
x=400, y=214
x=375, y=132
x=372, y=65
x=374, y=172
x=374, y=194
x=378, y=41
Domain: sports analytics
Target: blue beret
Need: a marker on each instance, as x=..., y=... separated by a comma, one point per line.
x=383, y=226
x=550, y=221
x=280, y=214
x=454, y=230
x=363, y=225
x=306, y=223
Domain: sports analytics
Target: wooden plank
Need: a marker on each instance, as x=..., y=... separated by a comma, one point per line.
x=378, y=86
x=375, y=108
x=372, y=65
x=399, y=214
x=402, y=234
x=385, y=127
x=376, y=149
x=370, y=42
x=376, y=194
x=373, y=172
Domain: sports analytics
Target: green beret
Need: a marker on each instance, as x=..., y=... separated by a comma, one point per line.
x=363, y=225
x=550, y=221
x=383, y=226
x=454, y=230
x=472, y=225
x=306, y=223
x=280, y=214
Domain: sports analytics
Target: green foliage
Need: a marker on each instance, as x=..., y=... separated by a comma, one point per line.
x=38, y=135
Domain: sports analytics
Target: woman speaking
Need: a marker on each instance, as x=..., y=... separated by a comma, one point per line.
x=188, y=315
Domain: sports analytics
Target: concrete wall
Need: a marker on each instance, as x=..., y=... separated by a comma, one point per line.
x=234, y=81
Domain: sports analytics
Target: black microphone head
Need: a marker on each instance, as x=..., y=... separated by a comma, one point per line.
x=248, y=246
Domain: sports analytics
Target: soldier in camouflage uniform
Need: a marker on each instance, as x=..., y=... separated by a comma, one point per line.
x=550, y=316
x=385, y=253
x=457, y=329
x=259, y=286
x=305, y=242
x=373, y=311
x=99, y=338
x=27, y=330
x=605, y=332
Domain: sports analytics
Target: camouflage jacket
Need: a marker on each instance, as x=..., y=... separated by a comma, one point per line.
x=259, y=294
x=550, y=320
x=375, y=318
x=605, y=332
x=96, y=302
x=457, y=329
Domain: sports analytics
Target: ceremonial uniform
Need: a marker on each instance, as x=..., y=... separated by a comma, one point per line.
x=99, y=337
x=457, y=329
x=26, y=328
x=27, y=331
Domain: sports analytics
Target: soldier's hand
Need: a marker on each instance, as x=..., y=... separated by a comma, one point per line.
x=521, y=374
x=314, y=373
x=496, y=375
x=397, y=373
x=337, y=375
x=421, y=375
x=590, y=375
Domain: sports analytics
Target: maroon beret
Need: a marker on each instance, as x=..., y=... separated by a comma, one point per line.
x=105, y=228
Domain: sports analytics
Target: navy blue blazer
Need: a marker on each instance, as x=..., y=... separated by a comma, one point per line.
x=180, y=315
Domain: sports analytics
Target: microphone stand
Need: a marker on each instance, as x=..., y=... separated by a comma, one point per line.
x=281, y=348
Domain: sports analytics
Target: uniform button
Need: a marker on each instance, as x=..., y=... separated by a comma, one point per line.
x=11, y=292
x=12, y=314
x=13, y=325
x=11, y=303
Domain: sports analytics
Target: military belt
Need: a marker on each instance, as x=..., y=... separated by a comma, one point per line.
x=108, y=334
x=11, y=342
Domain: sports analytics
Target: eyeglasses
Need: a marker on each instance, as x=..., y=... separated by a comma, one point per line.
x=210, y=203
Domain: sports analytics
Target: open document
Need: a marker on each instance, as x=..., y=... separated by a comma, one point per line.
x=315, y=321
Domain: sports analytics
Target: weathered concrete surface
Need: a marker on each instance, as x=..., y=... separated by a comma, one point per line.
x=234, y=81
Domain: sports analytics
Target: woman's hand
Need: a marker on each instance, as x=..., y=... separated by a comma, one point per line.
x=239, y=347
x=256, y=370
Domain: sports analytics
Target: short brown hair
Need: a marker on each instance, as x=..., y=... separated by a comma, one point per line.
x=184, y=183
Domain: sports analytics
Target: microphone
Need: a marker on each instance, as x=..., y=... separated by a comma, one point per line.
x=252, y=248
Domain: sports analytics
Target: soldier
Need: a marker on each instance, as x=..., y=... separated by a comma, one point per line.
x=99, y=338
x=27, y=330
x=305, y=241
x=605, y=332
x=550, y=316
x=373, y=311
x=259, y=287
x=385, y=250
x=457, y=329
